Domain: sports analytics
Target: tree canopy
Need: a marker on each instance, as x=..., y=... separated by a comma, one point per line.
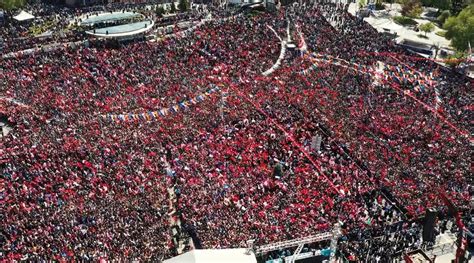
x=411, y=8
x=443, y=16
x=160, y=11
x=460, y=28
x=183, y=5
x=11, y=4
x=440, y=4
x=173, y=8
x=427, y=27
x=458, y=5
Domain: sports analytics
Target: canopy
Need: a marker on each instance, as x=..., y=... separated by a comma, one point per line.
x=235, y=255
x=22, y=16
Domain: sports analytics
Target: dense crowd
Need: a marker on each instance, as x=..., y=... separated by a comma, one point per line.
x=51, y=24
x=246, y=161
x=54, y=25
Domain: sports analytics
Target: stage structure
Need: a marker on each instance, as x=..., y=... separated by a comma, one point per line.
x=300, y=243
x=231, y=255
x=252, y=252
x=116, y=25
x=121, y=31
x=260, y=250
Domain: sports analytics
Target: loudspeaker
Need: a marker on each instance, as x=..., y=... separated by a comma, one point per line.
x=429, y=224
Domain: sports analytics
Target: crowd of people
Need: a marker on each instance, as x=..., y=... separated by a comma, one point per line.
x=267, y=158
x=51, y=24
x=61, y=24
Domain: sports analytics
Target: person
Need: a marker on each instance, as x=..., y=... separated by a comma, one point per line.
x=80, y=186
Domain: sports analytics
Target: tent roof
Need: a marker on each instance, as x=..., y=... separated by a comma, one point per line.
x=233, y=255
x=22, y=16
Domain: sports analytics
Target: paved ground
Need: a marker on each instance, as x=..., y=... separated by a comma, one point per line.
x=382, y=20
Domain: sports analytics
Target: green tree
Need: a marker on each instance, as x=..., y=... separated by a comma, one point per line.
x=442, y=4
x=362, y=3
x=427, y=27
x=173, y=8
x=160, y=11
x=443, y=16
x=411, y=8
x=379, y=5
x=460, y=28
x=183, y=5
x=458, y=5
x=404, y=21
x=427, y=2
x=11, y=4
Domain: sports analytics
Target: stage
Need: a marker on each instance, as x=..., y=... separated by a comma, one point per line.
x=122, y=30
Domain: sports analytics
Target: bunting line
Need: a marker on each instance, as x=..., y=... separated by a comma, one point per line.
x=396, y=84
x=154, y=115
x=389, y=72
x=391, y=54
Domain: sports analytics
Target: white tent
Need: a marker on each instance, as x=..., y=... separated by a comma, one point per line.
x=22, y=16
x=233, y=255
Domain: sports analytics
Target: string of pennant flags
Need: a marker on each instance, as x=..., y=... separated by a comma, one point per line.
x=405, y=92
x=154, y=115
x=415, y=58
x=389, y=73
x=396, y=74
